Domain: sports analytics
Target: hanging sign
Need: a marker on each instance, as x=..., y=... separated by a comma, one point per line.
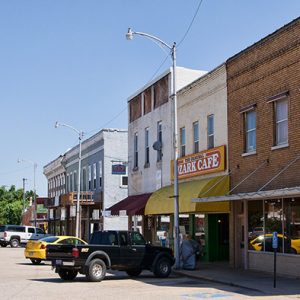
x=119, y=169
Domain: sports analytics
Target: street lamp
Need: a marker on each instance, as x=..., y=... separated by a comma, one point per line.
x=129, y=36
x=34, y=190
x=80, y=136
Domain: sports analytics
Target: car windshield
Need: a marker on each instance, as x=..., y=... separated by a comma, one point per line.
x=2, y=228
x=49, y=239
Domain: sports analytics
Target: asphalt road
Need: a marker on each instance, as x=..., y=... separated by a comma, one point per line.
x=19, y=279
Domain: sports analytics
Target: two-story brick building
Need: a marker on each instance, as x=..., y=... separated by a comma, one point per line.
x=263, y=83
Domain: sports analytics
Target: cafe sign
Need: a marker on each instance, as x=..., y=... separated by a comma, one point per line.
x=209, y=161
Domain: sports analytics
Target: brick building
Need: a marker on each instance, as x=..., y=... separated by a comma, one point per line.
x=263, y=84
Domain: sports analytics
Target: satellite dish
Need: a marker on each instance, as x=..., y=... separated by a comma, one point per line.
x=157, y=145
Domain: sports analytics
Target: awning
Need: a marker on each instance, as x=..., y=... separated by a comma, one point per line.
x=161, y=202
x=134, y=205
x=261, y=195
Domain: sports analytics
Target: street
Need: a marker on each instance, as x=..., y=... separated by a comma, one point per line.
x=22, y=280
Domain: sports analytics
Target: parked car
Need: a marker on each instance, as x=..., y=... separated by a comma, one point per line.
x=14, y=235
x=290, y=245
x=117, y=250
x=36, y=250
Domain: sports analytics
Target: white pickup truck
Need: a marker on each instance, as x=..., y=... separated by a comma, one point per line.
x=15, y=235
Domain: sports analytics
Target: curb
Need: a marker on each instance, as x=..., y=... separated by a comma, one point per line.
x=216, y=281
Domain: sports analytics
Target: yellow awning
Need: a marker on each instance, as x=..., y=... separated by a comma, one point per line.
x=161, y=202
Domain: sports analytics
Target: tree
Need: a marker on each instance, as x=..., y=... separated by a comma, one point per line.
x=11, y=204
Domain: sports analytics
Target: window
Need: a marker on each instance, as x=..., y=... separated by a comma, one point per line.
x=71, y=182
x=100, y=173
x=90, y=178
x=75, y=181
x=84, y=179
x=147, y=161
x=136, y=153
x=196, y=136
x=31, y=230
x=280, y=215
x=210, y=132
x=159, y=139
x=281, y=121
x=182, y=141
x=250, y=131
x=137, y=239
x=94, y=176
x=124, y=181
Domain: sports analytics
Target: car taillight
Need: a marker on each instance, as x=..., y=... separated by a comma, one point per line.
x=43, y=246
x=75, y=252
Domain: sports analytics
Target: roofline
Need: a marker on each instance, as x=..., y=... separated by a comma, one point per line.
x=264, y=39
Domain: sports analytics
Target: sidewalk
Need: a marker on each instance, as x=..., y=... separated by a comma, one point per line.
x=253, y=280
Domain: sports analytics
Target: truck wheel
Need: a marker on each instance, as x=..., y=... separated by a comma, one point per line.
x=3, y=245
x=35, y=261
x=134, y=272
x=162, y=268
x=67, y=274
x=96, y=270
x=14, y=243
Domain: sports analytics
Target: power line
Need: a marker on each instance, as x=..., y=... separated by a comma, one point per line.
x=191, y=24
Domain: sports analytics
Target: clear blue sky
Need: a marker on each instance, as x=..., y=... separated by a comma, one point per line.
x=69, y=61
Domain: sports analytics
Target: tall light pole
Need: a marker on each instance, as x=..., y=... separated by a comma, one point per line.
x=80, y=136
x=24, y=194
x=34, y=190
x=129, y=36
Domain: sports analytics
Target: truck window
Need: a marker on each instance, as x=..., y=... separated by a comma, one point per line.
x=40, y=231
x=30, y=230
x=123, y=239
x=137, y=239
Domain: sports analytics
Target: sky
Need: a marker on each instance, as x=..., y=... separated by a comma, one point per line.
x=69, y=61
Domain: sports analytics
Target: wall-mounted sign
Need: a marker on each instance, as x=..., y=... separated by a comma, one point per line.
x=209, y=161
x=119, y=169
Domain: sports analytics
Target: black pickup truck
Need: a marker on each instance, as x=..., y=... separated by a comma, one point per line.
x=117, y=250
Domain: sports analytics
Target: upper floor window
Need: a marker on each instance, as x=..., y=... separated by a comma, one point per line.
x=182, y=141
x=196, y=136
x=75, y=181
x=250, y=131
x=147, y=149
x=84, y=179
x=100, y=173
x=90, y=178
x=281, y=121
x=136, y=156
x=94, y=176
x=159, y=139
x=210, y=132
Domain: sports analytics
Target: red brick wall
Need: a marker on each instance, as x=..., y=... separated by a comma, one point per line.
x=265, y=69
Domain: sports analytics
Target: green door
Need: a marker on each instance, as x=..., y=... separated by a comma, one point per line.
x=218, y=237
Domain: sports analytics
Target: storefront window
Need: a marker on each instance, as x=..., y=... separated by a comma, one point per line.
x=292, y=223
x=280, y=215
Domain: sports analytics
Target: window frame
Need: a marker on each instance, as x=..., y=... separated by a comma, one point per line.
x=210, y=131
x=196, y=137
x=247, y=131
x=279, y=122
x=135, y=152
x=147, y=148
x=182, y=141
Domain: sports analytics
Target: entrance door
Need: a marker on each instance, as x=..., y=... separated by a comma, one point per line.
x=218, y=237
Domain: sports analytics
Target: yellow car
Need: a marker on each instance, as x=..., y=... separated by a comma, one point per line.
x=290, y=245
x=36, y=250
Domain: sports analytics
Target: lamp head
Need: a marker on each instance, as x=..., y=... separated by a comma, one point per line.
x=129, y=34
x=56, y=124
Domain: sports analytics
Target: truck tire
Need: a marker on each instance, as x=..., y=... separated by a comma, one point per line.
x=162, y=268
x=134, y=272
x=14, y=243
x=96, y=270
x=35, y=261
x=3, y=245
x=65, y=274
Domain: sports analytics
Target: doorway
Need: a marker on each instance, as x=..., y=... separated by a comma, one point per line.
x=217, y=239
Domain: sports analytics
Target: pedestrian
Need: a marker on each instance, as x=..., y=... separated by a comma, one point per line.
x=188, y=252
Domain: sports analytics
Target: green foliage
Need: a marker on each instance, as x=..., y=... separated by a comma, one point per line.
x=11, y=204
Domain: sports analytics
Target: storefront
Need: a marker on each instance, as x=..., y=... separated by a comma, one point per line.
x=263, y=213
